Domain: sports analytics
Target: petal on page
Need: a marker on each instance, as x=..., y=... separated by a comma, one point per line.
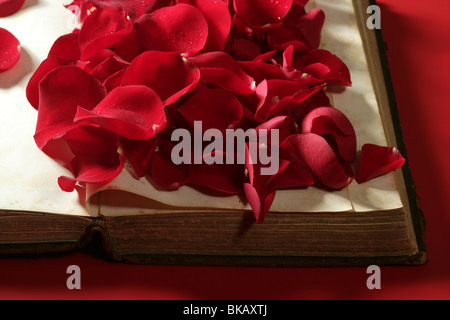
x=139, y=154
x=60, y=94
x=317, y=154
x=377, y=160
x=181, y=28
x=103, y=29
x=10, y=50
x=330, y=121
x=131, y=112
x=167, y=73
x=96, y=157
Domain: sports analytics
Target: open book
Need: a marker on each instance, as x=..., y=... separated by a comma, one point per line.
x=377, y=222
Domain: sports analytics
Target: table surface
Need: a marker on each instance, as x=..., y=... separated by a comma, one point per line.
x=418, y=39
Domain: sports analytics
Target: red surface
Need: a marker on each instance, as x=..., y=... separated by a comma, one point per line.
x=418, y=36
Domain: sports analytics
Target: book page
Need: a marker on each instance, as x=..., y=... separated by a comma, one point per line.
x=28, y=177
x=341, y=36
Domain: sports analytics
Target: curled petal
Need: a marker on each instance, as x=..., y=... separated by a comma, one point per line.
x=107, y=68
x=9, y=50
x=321, y=66
x=223, y=71
x=131, y=112
x=320, y=158
x=215, y=108
x=96, y=157
x=262, y=13
x=9, y=7
x=181, y=28
x=330, y=121
x=167, y=73
x=260, y=203
x=60, y=93
x=377, y=160
x=103, y=29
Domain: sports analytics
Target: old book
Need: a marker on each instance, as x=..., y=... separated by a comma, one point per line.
x=377, y=222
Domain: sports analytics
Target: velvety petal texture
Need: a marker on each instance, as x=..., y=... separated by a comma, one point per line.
x=10, y=50
x=9, y=7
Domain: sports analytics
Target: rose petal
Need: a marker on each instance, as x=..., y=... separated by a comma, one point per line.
x=103, y=29
x=218, y=18
x=66, y=48
x=9, y=7
x=377, y=160
x=163, y=171
x=134, y=8
x=301, y=31
x=215, y=108
x=48, y=65
x=131, y=112
x=139, y=154
x=96, y=156
x=129, y=47
x=167, y=73
x=260, y=204
x=323, y=66
x=316, y=153
x=330, y=121
x=222, y=70
x=224, y=178
x=180, y=28
x=262, y=13
x=261, y=71
x=60, y=93
x=9, y=50
x=107, y=68
x=114, y=81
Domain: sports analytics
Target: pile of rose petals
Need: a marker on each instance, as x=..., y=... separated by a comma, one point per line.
x=111, y=93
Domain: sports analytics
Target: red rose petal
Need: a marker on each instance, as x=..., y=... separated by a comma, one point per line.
x=102, y=29
x=326, y=120
x=218, y=17
x=323, y=66
x=114, y=81
x=260, y=204
x=316, y=153
x=131, y=112
x=48, y=65
x=224, y=178
x=128, y=47
x=107, y=68
x=222, y=70
x=66, y=48
x=9, y=50
x=163, y=171
x=217, y=109
x=180, y=28
x=262, y=13
x=378, y=160
x=134, y=8
x=96, y=156
x=167, y=73
x=60, y=93
x=301, y=31
x=261, y=71
x=9, y=7
x=139, y=154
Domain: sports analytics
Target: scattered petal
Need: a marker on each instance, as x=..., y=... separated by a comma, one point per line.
x=377, y=160
x=9, y=50
x=9, y=7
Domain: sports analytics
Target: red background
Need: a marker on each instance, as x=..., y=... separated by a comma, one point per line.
x=418, y=38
